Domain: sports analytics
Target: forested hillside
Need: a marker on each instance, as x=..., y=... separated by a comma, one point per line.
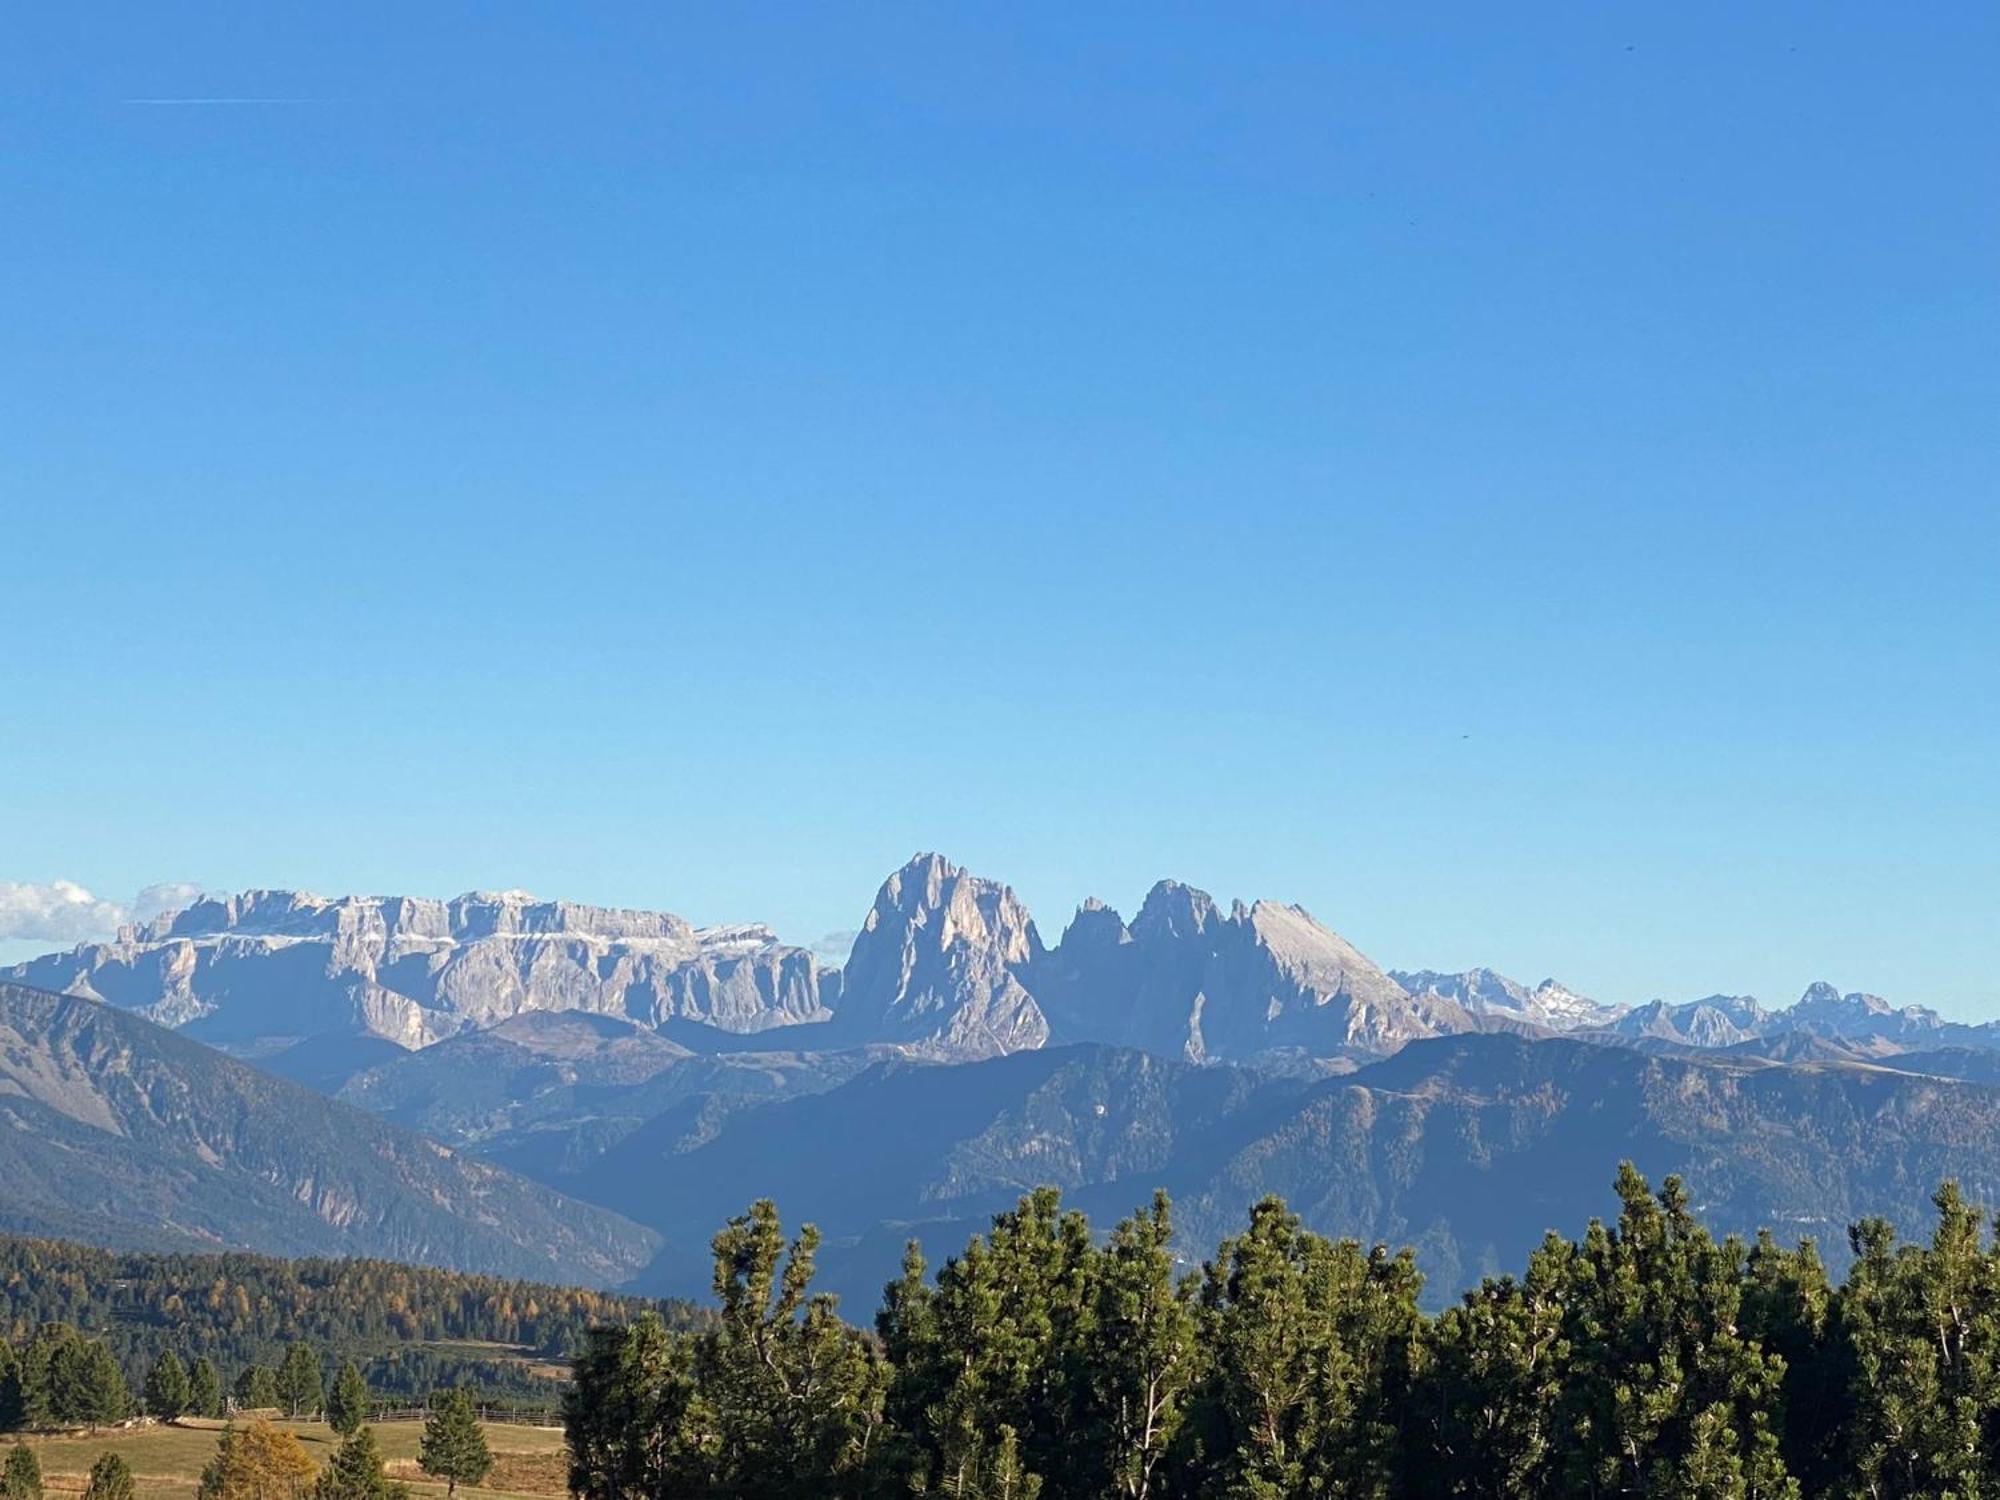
x=409, y=1328
x=120, y=1132
x=1647, y=1358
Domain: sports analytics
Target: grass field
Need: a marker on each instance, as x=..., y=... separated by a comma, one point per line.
x=167, y=1460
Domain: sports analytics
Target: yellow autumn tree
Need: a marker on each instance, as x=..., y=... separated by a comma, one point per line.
x=257, y=1462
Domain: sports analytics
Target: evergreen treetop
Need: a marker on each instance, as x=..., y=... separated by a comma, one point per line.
x=347, y=1401
x=167, y=1393
x=110, y=1479
x=453, y=1448
x=21, y=1476
x=355, y=1472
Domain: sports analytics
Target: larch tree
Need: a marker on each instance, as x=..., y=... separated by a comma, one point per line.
x=257, y=1462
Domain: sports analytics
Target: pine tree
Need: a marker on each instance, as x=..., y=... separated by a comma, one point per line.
x=347, y=1402
x=257, y=1389
x=13, y=1401
x=47, y=1374
x=90, y=1387
x=167, y=1392
x=1485, y=1417
x=1920, y=1325
x=1646, y=1359
x=1002, y=1476
x=632, y=1417
x=1666, y=1395
x=1311, y=1345
x=1138, y=1358
x=221, y=1477
x=21, y=1479
x=1789, y=1310
x=1000, y=1343
x=110, y=1479
x=795, y=1394
x=355, y=1472
x=453, y=1448
x=299, y=1388
x=204, y=1389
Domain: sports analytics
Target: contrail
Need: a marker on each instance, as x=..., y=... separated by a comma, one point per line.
x=221, y=101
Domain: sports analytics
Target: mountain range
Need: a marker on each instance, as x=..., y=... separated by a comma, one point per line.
x=261, y=970
x=634, y=1069
x=947, y=965
x=122, y=1133
x=1467, y=1147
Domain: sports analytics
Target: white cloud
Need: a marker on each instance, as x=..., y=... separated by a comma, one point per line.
x=168, y=895
x=833, y=948
x=64, y=912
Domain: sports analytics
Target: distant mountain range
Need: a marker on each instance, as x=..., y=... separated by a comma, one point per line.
x=256, y=971
x=667, y=1074
x=947, y=965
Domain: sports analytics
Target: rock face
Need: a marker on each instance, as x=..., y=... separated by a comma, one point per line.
x=1863, y=1025
x=936, y=966
x=1186, y=979
x=948, y=966
x=1485, y=992
x=253, y=969
x=1718, y=1021
x=123, y=1133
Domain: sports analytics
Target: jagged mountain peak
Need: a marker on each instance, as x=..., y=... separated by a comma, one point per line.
x=1291, y=932
x=956, y=906
x=933, y=967
x=1487, y=992
x=264, y=968
x=1173, y=910
x=1823, y=997
x=278, y=913
x=919, y=880
x=1096, y=925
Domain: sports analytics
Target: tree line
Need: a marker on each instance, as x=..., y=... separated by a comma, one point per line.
x=240, y=1312
x=62, y=1378
x=1645, y=1358
x=261, y=1461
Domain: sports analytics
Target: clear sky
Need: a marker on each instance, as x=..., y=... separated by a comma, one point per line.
x=1519, y=480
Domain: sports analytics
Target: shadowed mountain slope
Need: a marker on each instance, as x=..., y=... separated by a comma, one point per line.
x=1467, y=1147
x=123, y=1133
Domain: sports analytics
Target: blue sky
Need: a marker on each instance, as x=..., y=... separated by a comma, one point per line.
x=1517, y=480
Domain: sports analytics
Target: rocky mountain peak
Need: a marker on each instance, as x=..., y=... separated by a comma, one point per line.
x=933, y=966
x=1294, y=937
x=1095, y=925
x=1487, y=992
x=271, y=966
x=1172, y=910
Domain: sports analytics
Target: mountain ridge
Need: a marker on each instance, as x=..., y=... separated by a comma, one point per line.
x=947, y=965
x=130, y=1134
